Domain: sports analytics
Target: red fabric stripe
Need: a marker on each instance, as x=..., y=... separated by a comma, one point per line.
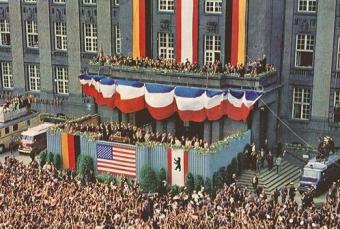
x=245, y=112
x=178, y=30
x=91, y=91
x=214, y=113
x=234, y=113
x=169, y=166
x=186, y=164
x=194, y=116
x=71, y=151
x=142, y=27
x=161, y=113
x=130, y=105
x=234, y=31
x=195, y=32
x=121, y=150
x=118, y=163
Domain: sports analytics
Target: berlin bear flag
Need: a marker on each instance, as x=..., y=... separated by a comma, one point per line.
x=177, y=166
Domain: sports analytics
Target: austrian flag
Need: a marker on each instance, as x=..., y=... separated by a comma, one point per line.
x=178, y=166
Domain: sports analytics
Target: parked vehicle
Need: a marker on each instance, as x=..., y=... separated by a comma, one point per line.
x=34, y=139
x=319, y=174
x=12, y=127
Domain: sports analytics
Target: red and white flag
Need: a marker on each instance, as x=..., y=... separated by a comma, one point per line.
x=186, y=30
x=178, y=166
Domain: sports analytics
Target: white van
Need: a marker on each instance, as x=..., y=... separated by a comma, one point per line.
x=34, y=139
x=10, y=130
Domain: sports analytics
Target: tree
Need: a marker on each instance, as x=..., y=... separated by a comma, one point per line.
x=43, y=158
x=199, y=182
x=57, y=161
x=85, y=165
x=149, y=181
x=190, y=183
x=50, y=157
x=208, y=186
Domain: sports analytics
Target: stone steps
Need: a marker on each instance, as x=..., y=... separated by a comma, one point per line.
x=270, y=179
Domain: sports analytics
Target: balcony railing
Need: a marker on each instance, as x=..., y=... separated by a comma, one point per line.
x=209, y=80
x=10, y=115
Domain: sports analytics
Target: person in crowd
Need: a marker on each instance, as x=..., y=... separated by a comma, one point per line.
x=270, y=160
x=253, y=68
x=255, y=181
x=30, y=197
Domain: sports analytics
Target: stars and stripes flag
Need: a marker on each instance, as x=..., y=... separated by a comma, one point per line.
x=117, y=160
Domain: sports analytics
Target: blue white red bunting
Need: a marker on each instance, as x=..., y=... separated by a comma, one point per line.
x=162, y=101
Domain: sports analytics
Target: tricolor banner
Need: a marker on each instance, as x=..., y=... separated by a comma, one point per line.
x=178, y=166
x=187, y=31
x=70, y=148
x=238, y=31
x=162, y=101
x=140, y=28
x=159, y=100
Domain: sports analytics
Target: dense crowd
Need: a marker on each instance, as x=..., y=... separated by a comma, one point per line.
x=128, y=133
x=14, y=103
x=252, y=68
x=31, y=197
x=32, y=99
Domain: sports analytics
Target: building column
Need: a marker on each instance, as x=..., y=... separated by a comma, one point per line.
x=73, y=46
x=170, y=125
x=207, y=131
x=125, y=117
x=159, y=126
x=216, y=130
x=323, y=59
x=44, y=35
x=104, y=26
x=17, y=49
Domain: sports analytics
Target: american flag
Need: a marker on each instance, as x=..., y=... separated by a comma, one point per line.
x=117, y=160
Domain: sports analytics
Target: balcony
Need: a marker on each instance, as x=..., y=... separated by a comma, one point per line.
x=10, y=115
x=209, y=80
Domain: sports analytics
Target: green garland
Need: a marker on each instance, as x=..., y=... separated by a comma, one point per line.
x=213, y=148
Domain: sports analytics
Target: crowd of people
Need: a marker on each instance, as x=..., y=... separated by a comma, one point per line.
x=31, y=197
x=14, y=103
x=131, y=134
x=31, y=99
x=253, y=68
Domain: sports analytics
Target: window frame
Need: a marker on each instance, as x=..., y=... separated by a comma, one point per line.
x=62, y=81
x=90, y=41
x=59, y=2
x=213, y=51
x=167, y=6
x=89, y=2
x=8, y=75
x=115, y=3
x=168, y=48
x=118, y=39
x=308, y=5
x=31, y=1
x=304, y=106
x=6, y=31
x=305, y=49
x=62, y=35
x=34, y=80
x=33, y=33
x=215, y=4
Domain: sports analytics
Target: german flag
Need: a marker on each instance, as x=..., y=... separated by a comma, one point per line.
x=238, y=31
x=70, y=148
x=141, y=28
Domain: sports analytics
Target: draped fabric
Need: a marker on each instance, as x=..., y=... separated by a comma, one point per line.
x=238, y=31
x=162, y=101
x=186, y=30
x=140, y=27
